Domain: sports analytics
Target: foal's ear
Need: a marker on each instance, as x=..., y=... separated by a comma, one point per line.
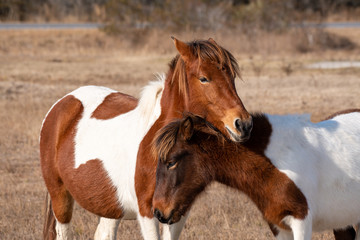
x=187, y=128
x=184, y=50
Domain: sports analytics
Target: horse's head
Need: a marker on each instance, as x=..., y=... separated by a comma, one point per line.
x=205, y=73
x=182, y=171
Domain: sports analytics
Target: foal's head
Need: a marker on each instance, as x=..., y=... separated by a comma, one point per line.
x=205, y=73
x=182, y=172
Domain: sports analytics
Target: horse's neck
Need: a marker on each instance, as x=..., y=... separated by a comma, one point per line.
x=173, y=103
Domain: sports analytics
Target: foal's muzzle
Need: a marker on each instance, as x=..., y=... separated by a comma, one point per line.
x=160, y=216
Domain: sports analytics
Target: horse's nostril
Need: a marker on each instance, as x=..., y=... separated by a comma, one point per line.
x=244, y=127
x=238, y=124
x=157, y=213
x=160, y=216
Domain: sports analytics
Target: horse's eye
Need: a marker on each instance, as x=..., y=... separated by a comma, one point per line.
x=171, y=165
x=204, y=80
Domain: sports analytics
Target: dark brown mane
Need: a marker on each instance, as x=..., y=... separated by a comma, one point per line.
x=203, y=50
x=165, y=138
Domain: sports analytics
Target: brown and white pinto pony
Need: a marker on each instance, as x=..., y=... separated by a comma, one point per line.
x=302, y=176
x=95, y=142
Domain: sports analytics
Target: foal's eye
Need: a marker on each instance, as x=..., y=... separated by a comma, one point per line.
x=204, y=80
x=171, y=165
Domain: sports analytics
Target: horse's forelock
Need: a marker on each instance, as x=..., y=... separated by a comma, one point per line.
x=165, y=139
x=211, y=51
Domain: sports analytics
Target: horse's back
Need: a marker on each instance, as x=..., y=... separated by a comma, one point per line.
x=104, y=103
x=340, y=136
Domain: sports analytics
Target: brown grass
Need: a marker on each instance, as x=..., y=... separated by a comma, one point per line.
x=38, y=67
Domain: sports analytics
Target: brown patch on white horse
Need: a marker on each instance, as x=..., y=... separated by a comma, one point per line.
x=346, y=111
x=96, y=194
x=58, y=127
x=114, y=105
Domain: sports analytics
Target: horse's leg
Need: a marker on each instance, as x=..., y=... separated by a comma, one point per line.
x=149, y=228
x=172, y=232
x=63, y=231
x=106, y=229
x=62, y=204
x=301, y=228
x=357, y=234
x=345, y=234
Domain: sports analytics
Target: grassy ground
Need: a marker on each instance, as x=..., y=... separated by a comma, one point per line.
x=38, y=67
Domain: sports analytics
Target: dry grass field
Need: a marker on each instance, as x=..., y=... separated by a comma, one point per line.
x=38, y=67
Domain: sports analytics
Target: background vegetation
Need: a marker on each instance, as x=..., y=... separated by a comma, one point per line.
x=194, y=14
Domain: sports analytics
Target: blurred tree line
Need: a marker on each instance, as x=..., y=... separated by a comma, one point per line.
x=51, y=10
x=175, y=15
x=215, y=14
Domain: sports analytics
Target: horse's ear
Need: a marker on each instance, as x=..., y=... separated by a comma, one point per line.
x=184, y=50
x=187, y=128
x=212, y=41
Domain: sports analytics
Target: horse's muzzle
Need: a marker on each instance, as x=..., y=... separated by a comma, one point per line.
x=243, y=128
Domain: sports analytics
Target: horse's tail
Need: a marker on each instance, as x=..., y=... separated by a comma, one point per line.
x=49, y=232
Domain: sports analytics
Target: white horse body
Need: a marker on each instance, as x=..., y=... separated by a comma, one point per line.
x=323, y=160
